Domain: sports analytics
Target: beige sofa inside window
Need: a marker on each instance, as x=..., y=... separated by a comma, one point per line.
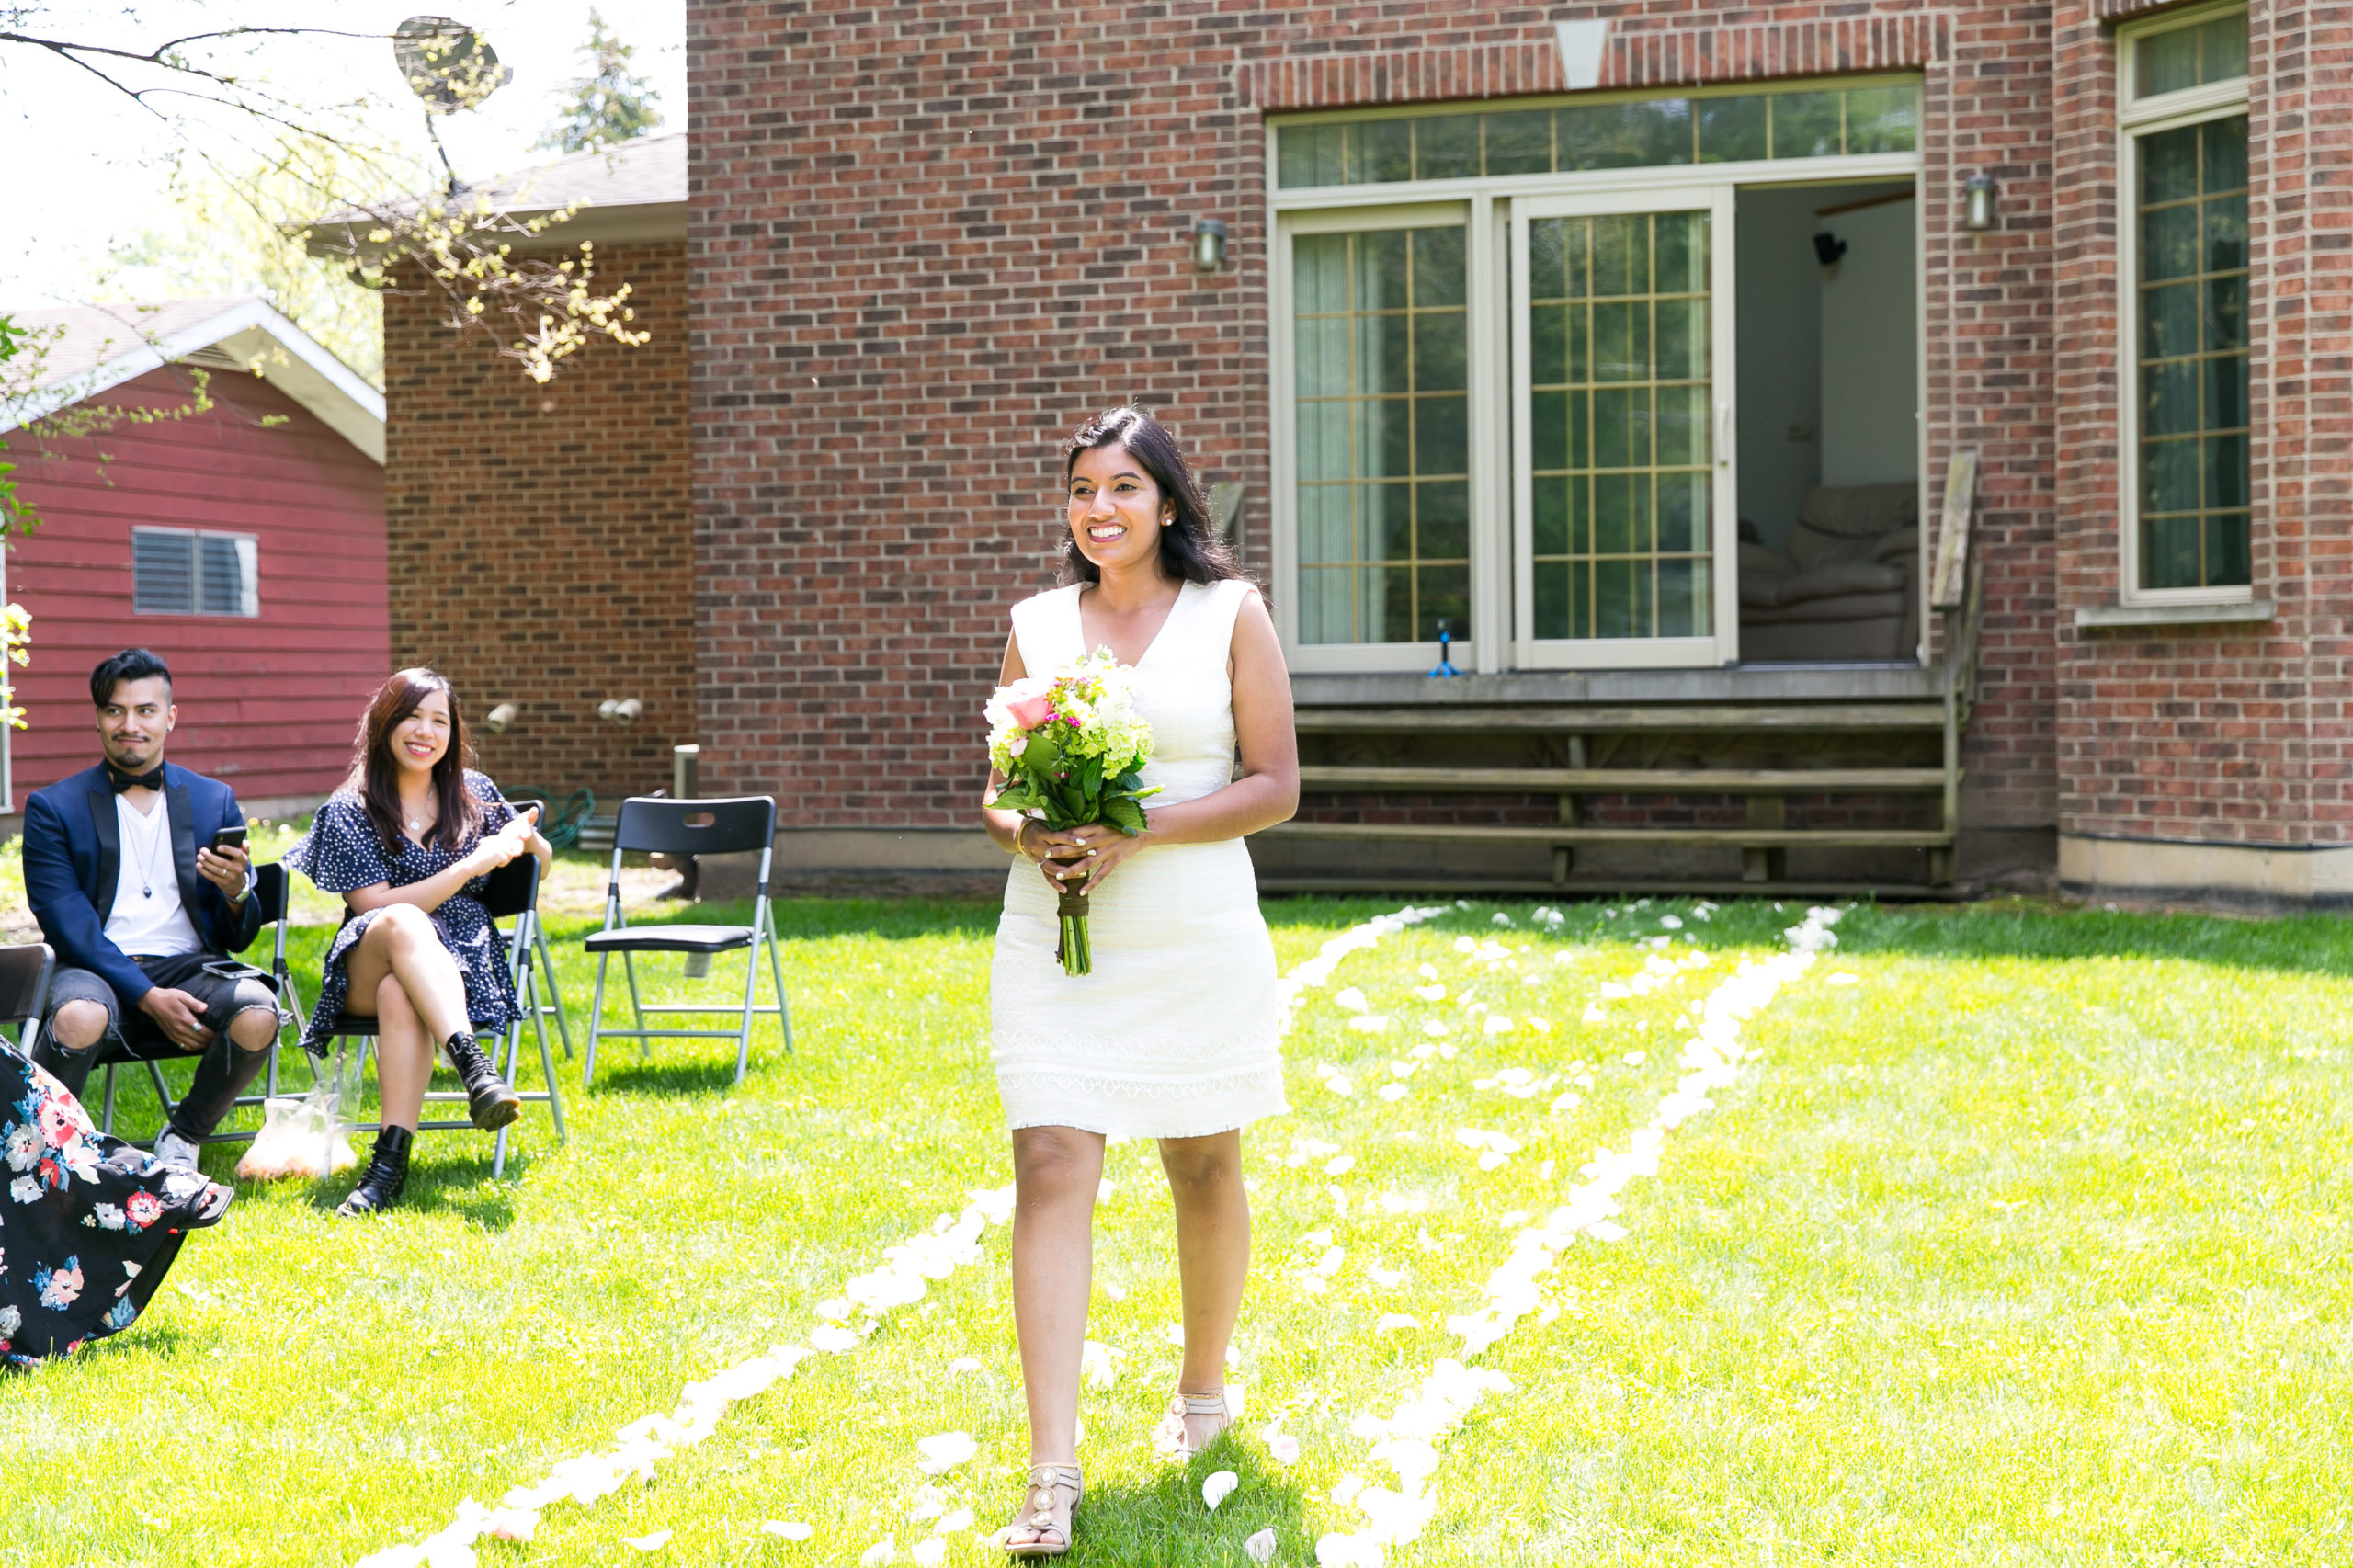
x=1845, y=587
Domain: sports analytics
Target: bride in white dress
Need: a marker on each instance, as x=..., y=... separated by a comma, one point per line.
x=1173, y=1036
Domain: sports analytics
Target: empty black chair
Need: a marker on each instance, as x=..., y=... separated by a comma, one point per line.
x=24, y=989
x=654, y=826
x=513, y=894
x=273, y=891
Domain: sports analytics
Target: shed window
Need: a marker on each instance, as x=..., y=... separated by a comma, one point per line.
x=185, y=572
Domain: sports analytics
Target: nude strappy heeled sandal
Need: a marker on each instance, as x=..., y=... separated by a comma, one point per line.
x=1046, y=1482
x=1186, y=1404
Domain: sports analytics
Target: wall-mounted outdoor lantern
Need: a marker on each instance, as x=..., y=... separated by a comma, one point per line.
x=1977, y=202
x=621, y=709
x=1209, y=244
x=498, y=718
x=1827, y=249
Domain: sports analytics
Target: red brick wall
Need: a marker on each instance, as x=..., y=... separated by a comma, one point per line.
x=543, y=549
x=2228, y=733
x=267, y=704
x=928, y=240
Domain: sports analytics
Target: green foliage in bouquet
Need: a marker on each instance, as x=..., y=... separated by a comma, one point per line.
x=1072, y=749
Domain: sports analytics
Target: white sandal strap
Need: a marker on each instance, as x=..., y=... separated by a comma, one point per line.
x=1202, y=1403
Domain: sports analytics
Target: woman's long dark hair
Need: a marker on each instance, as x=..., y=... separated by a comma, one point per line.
x=375, y=777
x=1190, y=549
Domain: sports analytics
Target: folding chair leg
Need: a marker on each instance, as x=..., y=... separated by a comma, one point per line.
x=545, y=971
x=555, y=1094
x=336, y=1122
x=163, y=1094
x=106, y=1123
x=783, y=1009
x=629, y=967
x=751, y=992
x=509, y=1049
x=595, y=1023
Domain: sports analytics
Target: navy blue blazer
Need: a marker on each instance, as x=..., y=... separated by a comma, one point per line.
x=74, y=857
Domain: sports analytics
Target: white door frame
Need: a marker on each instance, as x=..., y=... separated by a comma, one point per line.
x=1482, y=649
x=1722, y=646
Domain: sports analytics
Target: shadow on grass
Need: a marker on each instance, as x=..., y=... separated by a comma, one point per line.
x=462, y=1188
x=805, y=919
x=2008, y=928
x=2033, y=929
x=632, y=1076
x=1167, y=1522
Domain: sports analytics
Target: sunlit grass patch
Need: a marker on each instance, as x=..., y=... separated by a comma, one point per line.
x=2025, y=1247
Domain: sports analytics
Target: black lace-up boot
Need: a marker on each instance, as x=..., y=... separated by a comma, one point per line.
x=386, y=1173
x=490, y=1104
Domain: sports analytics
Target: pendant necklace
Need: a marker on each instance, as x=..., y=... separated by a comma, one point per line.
x=147, y=868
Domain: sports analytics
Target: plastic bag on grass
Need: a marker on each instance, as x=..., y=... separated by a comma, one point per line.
x=299, y=1138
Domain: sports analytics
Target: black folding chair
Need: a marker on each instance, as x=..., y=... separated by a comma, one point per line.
x=24, y=990
x=513, y=894
x=656, y=825
x=272, y=890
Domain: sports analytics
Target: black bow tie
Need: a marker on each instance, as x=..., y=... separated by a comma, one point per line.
x=152, y=779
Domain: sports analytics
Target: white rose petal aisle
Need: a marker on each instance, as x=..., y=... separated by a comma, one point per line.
x=1406, y=1440
x=904, y=1277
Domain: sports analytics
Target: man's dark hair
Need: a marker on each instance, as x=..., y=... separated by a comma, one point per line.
x=131, y=663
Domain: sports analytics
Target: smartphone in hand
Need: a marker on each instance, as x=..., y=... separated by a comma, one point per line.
x=229, y=837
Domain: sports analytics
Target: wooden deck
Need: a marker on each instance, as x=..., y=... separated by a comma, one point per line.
x=1846, y=739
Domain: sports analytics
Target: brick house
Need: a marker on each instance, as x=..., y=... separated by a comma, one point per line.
x=1648, y=354
x=244, y=543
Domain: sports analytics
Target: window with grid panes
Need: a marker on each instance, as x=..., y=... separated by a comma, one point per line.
x=1618, y=438
x=2191, y=353
x=1797, y=122
x=1383, y=422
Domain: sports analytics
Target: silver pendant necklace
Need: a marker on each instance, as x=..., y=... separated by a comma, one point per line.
x=147, y=861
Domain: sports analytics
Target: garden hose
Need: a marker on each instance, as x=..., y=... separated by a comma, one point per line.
x=560, y=825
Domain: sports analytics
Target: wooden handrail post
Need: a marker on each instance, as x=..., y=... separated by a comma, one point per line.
x=1952, y=593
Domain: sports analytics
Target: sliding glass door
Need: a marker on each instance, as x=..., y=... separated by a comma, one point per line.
x=1624, y=490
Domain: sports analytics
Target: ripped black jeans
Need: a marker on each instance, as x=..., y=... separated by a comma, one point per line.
x=226, y=1068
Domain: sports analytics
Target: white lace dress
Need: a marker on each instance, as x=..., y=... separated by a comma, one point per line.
x=1174, y=1034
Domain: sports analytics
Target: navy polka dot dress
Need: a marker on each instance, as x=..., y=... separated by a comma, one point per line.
x=342, y=852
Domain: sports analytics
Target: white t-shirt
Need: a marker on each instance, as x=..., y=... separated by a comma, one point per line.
x=148, y=920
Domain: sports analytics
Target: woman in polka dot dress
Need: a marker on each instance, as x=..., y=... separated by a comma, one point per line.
x=409, y=841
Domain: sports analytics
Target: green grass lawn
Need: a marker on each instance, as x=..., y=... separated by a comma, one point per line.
x=2025, y=1247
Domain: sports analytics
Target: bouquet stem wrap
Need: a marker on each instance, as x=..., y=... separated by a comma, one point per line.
x=1072, y=948
x=1071, y=749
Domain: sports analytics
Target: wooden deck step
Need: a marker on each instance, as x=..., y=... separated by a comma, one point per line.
x=1620, y=780
x=1568, y=720
x=1727, y=837
x=1600, y=887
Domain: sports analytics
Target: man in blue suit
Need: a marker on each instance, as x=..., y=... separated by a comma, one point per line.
x=142, y=902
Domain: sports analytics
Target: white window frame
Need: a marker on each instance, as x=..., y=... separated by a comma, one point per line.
x=248, y=569
x=1720, y=646
x=2136, y=118
x=1415, y=657
x=1499, y=574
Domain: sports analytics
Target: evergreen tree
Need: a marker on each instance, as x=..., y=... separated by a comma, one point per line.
x=612, y=104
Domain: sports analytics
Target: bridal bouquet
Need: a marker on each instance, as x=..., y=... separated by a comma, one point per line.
x=1072, y=749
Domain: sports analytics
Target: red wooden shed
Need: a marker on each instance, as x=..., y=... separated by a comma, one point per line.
x=245, y=544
